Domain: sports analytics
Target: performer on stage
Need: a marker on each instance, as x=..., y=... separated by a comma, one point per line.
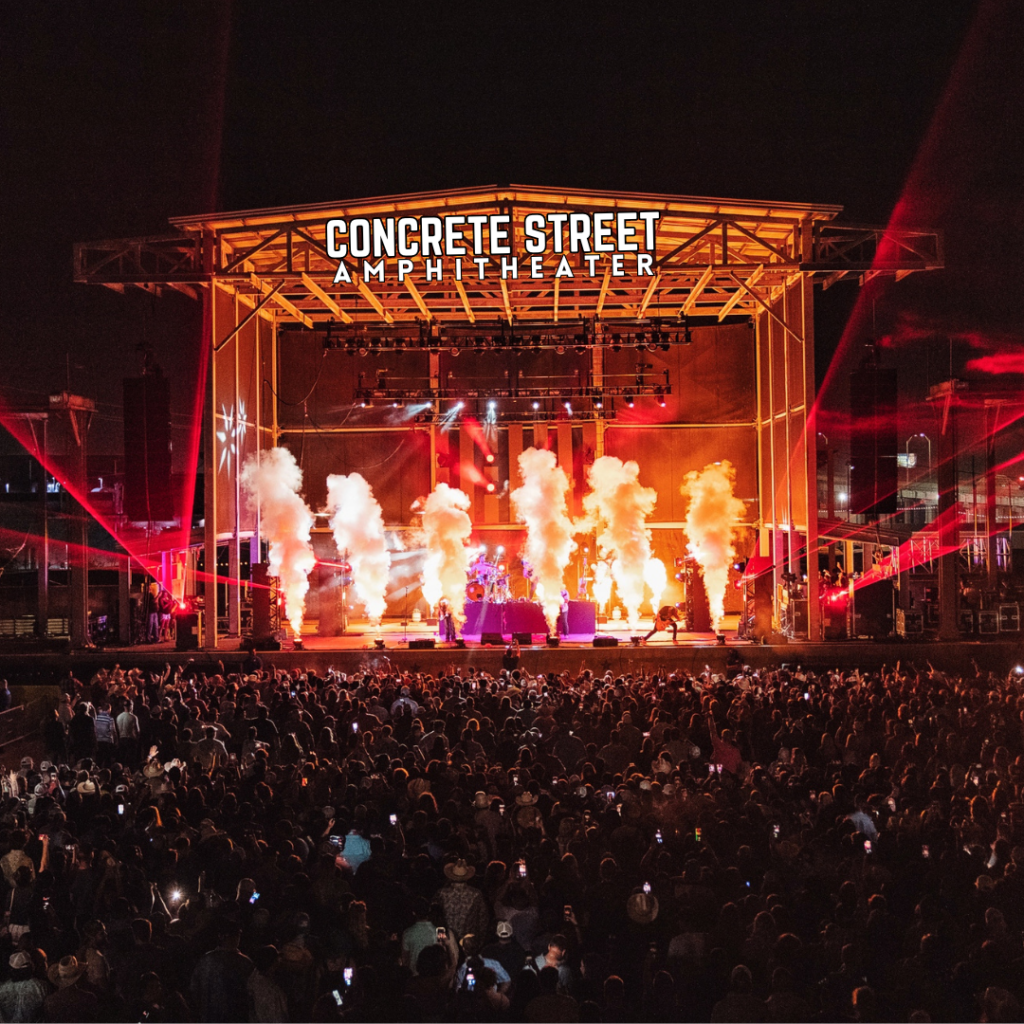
x=531, y=581
x=666, y=619
x=444, y=613
x=563, y=615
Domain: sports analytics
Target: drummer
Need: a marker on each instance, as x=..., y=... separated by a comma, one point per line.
x=480, y=569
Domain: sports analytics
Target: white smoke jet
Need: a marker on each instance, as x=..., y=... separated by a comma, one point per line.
x=358, y=526
x=618, y=506
x=272, y=485
x=541, y=504
x=602, y=584
x=709, y=526
x=446, y=529
x=656, y=578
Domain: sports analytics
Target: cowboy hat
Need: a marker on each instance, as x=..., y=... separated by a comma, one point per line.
x=153, y=770
x=86, y=788
x=642, y=907
x=526, y=799
x=66, y=973
x=481, y=800
x=459, y=871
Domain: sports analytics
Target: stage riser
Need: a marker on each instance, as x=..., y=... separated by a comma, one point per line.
x=954, y=657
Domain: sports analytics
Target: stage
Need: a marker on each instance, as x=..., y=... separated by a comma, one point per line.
x=27, y=662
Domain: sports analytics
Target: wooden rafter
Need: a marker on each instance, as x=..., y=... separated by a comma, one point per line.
x=460, y=288
x=738, y=294
x=416, y=297
x=316, y=290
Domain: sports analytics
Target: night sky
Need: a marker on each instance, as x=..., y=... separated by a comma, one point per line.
x=116, y=117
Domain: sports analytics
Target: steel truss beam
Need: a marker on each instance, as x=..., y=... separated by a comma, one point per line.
x=707, y=250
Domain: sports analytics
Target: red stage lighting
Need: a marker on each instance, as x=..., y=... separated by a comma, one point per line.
x=488, y=457
x=490, y=488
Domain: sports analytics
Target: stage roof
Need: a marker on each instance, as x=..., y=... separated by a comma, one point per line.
x=713, y=257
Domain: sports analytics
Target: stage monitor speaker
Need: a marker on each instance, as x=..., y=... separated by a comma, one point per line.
x=148, y=493
x=261, y=601
x=266, y=643
x=491, y=638
x=422, y=645
x=523, y=638
x=874, y=479
x=606, y=641
x=189, y=629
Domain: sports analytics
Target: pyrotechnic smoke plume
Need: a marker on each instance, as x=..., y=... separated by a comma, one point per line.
x=602, y=584
x=446, y=528
x=541, y=504
x=709, y=526
x=617, y=507
x=273, y=485
x=359, y=530
x=656, y=577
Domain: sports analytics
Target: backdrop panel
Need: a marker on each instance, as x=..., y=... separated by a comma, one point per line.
x=395, y=464
x=666, y=454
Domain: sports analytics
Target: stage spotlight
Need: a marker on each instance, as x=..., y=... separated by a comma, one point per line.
x=488, y=458
x=490, y=487
x=363, y=350
x=491, y=404
x=629, y=399
x=598, y=403
x=568, y=408
x=454, y=350
x=536, y=405
x=396, y=404
x=560, y=349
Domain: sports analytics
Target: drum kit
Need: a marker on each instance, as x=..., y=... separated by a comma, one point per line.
x=488, y=582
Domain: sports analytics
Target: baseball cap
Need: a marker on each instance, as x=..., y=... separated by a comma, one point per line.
x=504, y=930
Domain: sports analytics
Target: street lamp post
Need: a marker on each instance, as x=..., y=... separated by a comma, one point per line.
x=906, y=449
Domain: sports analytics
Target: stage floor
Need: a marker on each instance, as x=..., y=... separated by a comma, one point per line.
x=28, y=662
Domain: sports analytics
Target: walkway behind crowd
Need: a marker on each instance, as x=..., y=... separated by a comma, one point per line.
x=388, y=846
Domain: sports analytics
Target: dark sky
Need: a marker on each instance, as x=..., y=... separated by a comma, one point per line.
x=117, y=116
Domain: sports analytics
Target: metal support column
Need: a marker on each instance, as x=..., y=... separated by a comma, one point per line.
x=991, y=529
x=43, y=550
x=234, y=463
x=124, y=602
x=810, y=445
x=949, y=539
x=210, y=456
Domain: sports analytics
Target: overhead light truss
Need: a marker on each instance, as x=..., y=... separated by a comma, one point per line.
x=580, y=335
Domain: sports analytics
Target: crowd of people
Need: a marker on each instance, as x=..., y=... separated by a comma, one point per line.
x=270, y=845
